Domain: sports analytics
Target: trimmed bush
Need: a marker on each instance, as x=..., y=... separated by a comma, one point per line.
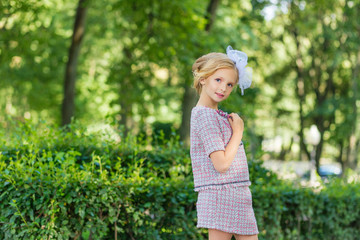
x=58, y=184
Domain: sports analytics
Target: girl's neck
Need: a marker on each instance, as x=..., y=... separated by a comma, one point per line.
x=206, y=102
x=200, y=104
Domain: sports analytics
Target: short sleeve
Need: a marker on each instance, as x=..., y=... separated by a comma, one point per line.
x=209, y=131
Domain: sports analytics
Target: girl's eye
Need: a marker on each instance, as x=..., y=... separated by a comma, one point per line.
x=218, y=79
x=230, y=85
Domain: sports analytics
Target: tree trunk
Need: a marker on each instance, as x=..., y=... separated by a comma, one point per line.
x=189, y=102
x=318, y=152
x=211, y=13
x=189, y=98
x=300, y=93
x=340, y=157
x=125, y=111
x=354, y=137
x=125, y=90
x=71, y=66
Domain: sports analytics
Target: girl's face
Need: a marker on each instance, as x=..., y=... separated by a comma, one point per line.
x=217, y=87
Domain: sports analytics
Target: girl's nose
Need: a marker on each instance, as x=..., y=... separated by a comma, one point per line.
x=223, y=87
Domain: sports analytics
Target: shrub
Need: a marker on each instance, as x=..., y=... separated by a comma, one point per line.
x=59, y=184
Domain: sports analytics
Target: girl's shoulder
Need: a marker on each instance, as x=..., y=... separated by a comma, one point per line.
x=204, y=113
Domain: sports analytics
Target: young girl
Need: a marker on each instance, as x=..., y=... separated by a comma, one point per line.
x=221, y=175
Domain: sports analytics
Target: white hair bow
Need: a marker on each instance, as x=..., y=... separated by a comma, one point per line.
x=240, y=60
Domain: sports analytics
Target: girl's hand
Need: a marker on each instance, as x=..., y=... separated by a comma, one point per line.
x=236, y=123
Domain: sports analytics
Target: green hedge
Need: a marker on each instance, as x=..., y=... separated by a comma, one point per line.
x=58, y=184
x=285, y=212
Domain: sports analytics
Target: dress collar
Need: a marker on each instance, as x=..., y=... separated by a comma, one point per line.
x=222, y=113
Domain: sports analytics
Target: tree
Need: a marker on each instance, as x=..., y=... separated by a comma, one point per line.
x=349, y=135
x=68, y=104
x=189, y=98
x=313, y=36
x=32, y=40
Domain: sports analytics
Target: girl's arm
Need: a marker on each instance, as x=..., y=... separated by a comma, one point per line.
x=222, y=159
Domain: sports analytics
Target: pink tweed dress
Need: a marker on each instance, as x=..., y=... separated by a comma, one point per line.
x=224, y=199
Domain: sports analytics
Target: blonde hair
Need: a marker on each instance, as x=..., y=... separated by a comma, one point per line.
x=208, y=64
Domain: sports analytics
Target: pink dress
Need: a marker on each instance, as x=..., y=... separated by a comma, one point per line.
x=224, y=199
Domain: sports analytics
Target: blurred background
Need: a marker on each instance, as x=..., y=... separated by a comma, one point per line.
x=127, y=65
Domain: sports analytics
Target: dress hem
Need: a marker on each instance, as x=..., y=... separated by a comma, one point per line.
x=228, y=231
x=223, y=186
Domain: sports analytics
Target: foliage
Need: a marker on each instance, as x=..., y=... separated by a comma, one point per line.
x=67, y=183
x=33, y=56
x=136, y=59
x=313, y=45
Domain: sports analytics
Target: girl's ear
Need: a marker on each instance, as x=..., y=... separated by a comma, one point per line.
x=202, y=81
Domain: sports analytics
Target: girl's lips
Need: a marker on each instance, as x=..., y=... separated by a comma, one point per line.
x=220, y=95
